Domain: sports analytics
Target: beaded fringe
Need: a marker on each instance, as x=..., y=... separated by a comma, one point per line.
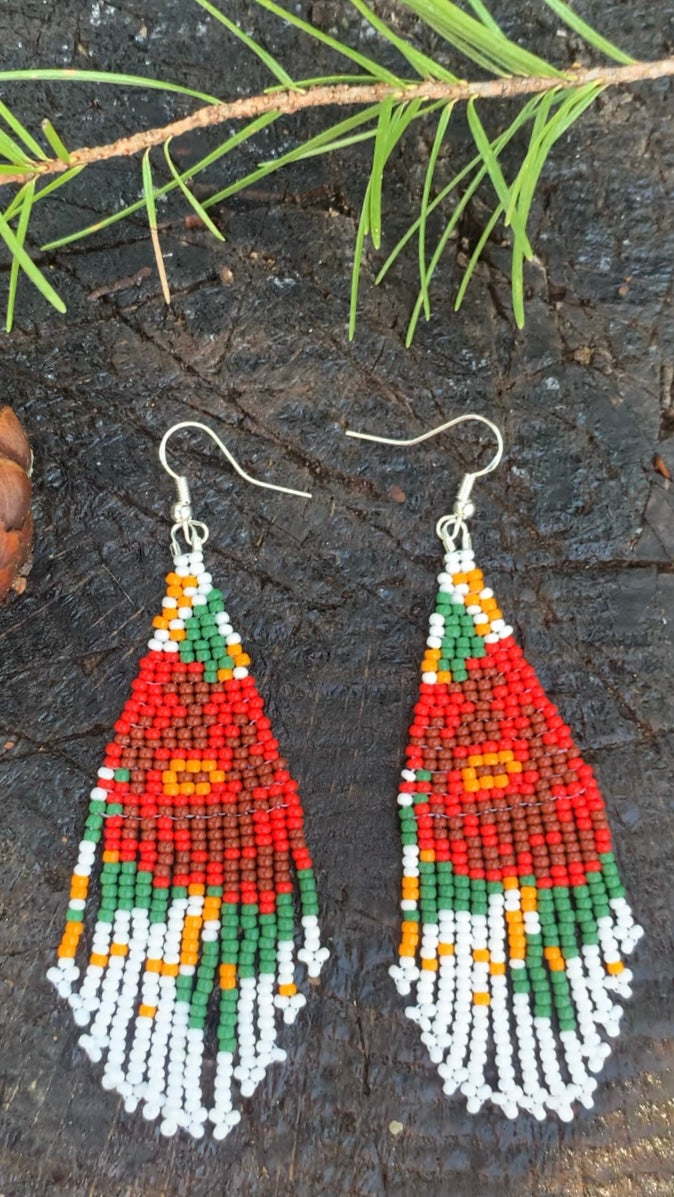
x=514, y=921
x=200, y=823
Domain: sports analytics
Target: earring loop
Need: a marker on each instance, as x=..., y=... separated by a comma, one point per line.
x=450, y=526
x=194, y=531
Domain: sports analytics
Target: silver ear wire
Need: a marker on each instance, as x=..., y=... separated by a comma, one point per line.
x=450, y=526
x=194, y=531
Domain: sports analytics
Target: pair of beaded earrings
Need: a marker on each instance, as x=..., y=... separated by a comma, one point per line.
x=514, y=920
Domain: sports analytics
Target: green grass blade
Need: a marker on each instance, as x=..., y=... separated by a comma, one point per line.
x=70, y=75
x=55, y=142
x=484, y=45
x=490, y=160
x=476, y=255
x=27, y=264
x=231, y=143
x=367, y=64
x=591, y=36
x=268, y=59
x=20, y=130
x=191, y=199
x=148, y=192
x=425, y=67
x=443, y=122
x=27, y=203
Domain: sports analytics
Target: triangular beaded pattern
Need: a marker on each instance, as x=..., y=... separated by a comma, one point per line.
x=200, y=827
x=514, y=921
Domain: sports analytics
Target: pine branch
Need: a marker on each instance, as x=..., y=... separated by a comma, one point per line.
x=384, y=105
x=286, y=103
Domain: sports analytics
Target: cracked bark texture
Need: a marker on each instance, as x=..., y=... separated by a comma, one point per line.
x=332, y=595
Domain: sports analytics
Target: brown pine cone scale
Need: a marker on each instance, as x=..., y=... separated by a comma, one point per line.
x=16, y=523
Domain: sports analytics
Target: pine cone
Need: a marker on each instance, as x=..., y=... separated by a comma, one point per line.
x=16, y=521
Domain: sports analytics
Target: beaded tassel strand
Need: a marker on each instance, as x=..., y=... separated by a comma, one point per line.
x=200, y=826
x=514, y=920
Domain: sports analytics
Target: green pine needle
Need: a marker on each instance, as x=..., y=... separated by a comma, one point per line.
x=425, y=67
x=321, y=143
x=71, y=75
x=191, y=199
x=477, y=254
x=268, y=59
x=18, y=253
x=227, y=146
x=483, y=15
x=27, y=192
x=443, y=123
x=483, y=44
x=495, y=173
x=369, y=65
x=55, y=142
x=590, y=35
x=12, y=151
x=20, y=130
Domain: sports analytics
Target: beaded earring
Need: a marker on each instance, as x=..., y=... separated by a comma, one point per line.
x=514, y=920
x=200, y=825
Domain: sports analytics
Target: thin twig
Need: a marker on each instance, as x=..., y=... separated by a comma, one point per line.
x=341, y=94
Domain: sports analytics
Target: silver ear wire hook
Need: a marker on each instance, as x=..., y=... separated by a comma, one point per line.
x=196, y=531
x=449, y=526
